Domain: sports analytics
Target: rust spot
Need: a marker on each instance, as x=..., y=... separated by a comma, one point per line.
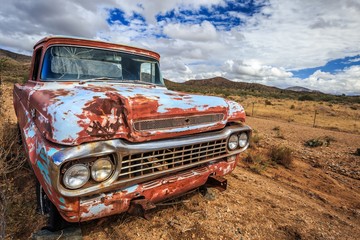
x=105, y=116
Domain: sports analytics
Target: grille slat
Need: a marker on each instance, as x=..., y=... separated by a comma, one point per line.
x=157, y=167
x=146, y=125
x=144, y=164
x=169, y=159
x=219, y=146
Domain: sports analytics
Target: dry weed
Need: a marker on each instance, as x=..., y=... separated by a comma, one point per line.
x=12, y=160
x=281, y=155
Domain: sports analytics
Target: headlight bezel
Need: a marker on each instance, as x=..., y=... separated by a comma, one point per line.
x=88, y=162
x=239, y=146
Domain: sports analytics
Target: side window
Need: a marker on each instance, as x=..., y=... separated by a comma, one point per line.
x=147, y=72
x=36, y=64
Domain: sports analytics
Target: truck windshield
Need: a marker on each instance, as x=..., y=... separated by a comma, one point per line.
x=68, y=63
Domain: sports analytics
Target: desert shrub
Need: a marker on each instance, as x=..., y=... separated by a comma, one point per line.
x=306, y=98
x=353, y=107
x=357, y=152
x=256, y=162
x=268, y=102
x=281, y=155
x=11, y=153
x=278, y=133
x=255, y=140
x=321, y=141
x=276, y=128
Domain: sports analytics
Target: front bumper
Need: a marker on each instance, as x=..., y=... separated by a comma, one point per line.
x=118, y=201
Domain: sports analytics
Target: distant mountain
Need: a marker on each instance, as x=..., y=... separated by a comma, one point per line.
x=301, y=89
x=15, y=56
x=226, y=83
x=227, y=88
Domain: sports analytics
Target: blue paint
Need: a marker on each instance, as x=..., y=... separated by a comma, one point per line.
x=43, y=156
x=51, y=151
x=234, y=108
x=131, y=189
x=66, y=110
x=45, y=172
x=30, y=131
x=96, y=210
x=62, y=200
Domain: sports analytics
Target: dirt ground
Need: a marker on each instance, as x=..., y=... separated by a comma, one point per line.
x=318, y=197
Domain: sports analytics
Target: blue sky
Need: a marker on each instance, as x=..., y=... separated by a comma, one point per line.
x=314, y=44
x=332, y=66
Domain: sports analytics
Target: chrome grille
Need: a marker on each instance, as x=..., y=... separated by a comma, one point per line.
x=177, y=122
x=141, y=165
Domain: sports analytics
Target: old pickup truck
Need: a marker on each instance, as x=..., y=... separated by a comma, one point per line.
x=103, y=134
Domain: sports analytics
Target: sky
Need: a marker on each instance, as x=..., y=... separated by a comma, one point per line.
x=282, y=43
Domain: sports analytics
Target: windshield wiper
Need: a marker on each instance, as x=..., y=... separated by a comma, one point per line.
x=142, y=82
x=117, y=80
x=97, y=79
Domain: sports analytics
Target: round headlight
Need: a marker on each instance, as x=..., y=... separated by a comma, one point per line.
x=243, y=140
x=101, y=169
x=76, y=176
x=233, y=142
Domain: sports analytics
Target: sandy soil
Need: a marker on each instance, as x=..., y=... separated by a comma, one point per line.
x=318, y=197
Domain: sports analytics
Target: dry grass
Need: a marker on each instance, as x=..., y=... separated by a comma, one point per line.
x=343, y=117
x=255, y=140
x=17, y=189
x=11, y=161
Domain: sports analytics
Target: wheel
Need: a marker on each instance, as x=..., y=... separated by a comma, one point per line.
x=46, y=207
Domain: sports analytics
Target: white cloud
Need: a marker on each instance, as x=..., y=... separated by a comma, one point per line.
x=303, y=34
x=345, y=81
x=254, y=68
x=282, y=36
x=199, y=32
x=23, y=23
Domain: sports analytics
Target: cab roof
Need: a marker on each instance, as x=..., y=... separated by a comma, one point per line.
x=66, y=40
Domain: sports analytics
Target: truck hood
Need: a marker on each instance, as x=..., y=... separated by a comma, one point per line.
x=72, y=113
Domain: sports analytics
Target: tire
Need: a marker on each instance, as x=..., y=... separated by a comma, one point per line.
x=19, y=137
x=46, y=207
